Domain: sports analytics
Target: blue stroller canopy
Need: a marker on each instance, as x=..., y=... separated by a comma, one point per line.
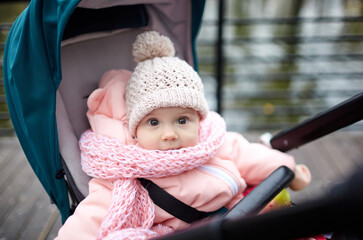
x=32, y=76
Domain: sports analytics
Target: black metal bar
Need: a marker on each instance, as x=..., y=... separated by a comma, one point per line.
x=262, y=194
x=337, y=117
x=219, y=57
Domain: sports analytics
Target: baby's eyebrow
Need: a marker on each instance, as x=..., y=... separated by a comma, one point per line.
x=189, y=112
x=185, y=114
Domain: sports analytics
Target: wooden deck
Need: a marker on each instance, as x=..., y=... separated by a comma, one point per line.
x=26, y=211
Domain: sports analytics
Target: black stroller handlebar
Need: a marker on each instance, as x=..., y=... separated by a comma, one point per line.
x=262, y=194
x=337, y=117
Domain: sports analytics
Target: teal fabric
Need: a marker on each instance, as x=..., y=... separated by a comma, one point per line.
x=197, y=14
x=32, y=74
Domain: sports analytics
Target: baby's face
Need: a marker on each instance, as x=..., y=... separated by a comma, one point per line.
x=168, y=128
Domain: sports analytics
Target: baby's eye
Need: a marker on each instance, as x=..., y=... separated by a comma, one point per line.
x=182, y=120
x=153, y=122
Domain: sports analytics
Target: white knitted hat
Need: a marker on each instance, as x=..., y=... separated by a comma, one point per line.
x=161, y=80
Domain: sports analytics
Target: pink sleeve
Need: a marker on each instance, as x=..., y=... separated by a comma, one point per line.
x=86, y=220
x=256, y=161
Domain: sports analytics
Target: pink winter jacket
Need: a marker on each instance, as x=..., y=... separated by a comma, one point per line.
x=207, y=188
x=218, y=183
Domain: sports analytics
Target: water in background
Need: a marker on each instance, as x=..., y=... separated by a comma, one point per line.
x=284, y=60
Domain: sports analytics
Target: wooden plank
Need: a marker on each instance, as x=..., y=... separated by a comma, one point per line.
x=50, y=224
x=12, y=200
x=352, y=147
x=2, y=99
x=23, y=212
x=7, y=143
x=42, y=216
x=41, y=220
x=10, y=195
x=9, y=171
x=315, y=160
x=339, y=159
x=55, y=228
x=7, y=148
x=4, y=115
x=304, y=155
x=326, y=167
x=5, y=132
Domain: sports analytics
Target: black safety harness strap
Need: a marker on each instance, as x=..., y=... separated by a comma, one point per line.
x=170, y=204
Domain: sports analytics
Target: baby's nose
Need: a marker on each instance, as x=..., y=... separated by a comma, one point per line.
x=169, y=134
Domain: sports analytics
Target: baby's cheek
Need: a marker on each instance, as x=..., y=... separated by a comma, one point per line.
x=146, y=142
x=192, y=140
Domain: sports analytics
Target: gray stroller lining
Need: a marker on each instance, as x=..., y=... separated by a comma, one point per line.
x=86, y=57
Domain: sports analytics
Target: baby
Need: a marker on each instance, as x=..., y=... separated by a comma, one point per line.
x=172, y=139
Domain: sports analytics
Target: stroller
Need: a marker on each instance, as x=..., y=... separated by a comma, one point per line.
x=54, y=57
x=59, y=81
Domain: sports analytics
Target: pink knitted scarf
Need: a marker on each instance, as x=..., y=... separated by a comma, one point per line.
x=131, y=214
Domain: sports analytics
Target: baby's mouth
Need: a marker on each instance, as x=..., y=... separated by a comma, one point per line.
x=167, y=148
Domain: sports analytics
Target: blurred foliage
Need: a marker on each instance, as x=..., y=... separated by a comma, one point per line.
x=9, y=11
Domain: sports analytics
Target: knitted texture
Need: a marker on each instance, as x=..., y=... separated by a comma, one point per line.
x=131, y=214
x=151, y=45
x=161, y=80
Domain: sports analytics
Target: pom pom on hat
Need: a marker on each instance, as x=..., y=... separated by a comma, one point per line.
x=149, y=45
